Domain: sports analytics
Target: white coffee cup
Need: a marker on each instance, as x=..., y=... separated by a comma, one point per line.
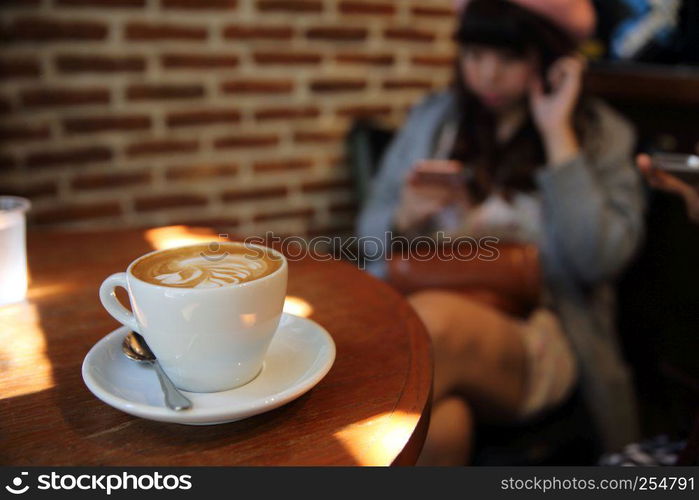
x=206, y=339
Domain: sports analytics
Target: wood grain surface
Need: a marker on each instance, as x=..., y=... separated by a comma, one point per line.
x=371, y=409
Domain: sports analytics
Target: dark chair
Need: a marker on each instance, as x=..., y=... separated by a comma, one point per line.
x=658, y=322
x=365, y=144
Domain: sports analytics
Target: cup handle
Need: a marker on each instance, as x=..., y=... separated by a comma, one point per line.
x=111, y=302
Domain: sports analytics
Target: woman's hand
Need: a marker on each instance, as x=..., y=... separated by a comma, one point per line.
x=553, y=112
x=664, y=181
x=422, y=199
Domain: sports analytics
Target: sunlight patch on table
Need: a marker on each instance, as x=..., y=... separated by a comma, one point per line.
x=379, y=439
x=297, y=306
x=162, y=238
x=43, y=291
x=24, y=366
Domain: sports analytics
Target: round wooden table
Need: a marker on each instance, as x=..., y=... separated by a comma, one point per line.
x=371, y=409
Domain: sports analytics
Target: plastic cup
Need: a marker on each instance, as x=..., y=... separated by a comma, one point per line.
x=13, y=249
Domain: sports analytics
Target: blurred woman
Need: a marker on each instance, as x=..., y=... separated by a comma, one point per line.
x=545, y=166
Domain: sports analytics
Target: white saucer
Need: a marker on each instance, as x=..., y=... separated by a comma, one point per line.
x=299, y=356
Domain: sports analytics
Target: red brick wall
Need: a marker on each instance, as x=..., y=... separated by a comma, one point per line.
x=226, y=112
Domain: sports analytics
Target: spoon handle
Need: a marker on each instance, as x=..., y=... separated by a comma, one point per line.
x=174, y=399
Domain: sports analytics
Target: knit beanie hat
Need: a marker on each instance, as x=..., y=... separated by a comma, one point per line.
x=576, y=17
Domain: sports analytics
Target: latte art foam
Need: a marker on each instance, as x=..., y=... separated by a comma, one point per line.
x=199, y=272
x=200, y=267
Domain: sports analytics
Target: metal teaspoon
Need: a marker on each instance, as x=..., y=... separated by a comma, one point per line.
x=136, y=348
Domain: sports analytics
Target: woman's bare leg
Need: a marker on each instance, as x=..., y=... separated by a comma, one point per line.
x=449, y=436
x=480, y=366
x=478, y=353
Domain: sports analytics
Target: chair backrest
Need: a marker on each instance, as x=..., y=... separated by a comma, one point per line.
x=366, y=143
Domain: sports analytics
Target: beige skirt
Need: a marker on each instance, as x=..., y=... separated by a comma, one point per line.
x=552, y=368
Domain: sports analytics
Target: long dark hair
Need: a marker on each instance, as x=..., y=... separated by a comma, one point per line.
x=509, y=166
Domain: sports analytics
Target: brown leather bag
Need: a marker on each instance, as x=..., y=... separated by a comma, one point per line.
x=511, y=282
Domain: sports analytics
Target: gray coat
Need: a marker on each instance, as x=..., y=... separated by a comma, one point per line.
x=593, y=224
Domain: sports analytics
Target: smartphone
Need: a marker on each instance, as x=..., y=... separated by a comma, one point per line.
x=685, y=167
x=443, y=172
